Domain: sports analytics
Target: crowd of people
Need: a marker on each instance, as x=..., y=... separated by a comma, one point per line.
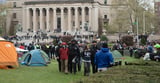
x=71, y=55
x=94, y=55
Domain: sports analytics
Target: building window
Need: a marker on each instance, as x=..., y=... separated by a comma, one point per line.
x=14, y=4
x=105, y=2
x=73, y=13
x=105, y=16
x=73, y=23
x=87, y=12
x=14, y=15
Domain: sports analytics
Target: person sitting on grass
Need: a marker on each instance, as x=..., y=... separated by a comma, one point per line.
x=104, y=58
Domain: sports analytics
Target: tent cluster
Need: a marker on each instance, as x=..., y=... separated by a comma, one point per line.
x=9, y=56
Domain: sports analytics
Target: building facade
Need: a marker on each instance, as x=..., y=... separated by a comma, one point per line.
x=58, y=15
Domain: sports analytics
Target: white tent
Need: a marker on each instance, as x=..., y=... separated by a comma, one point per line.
x=20, y=50
x=2, y=38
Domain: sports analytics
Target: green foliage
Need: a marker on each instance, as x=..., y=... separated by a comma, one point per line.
x=143, y=39
x=128, y=40
x=0, y=30
x=103, y=38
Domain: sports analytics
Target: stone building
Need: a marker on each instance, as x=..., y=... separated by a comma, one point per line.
x=58, y=15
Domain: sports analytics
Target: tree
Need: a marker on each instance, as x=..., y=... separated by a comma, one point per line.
x=130, y=12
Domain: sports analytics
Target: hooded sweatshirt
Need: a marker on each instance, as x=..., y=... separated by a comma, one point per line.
x=103, y=58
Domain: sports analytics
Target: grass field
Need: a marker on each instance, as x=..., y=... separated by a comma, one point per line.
x=119, y=74
x=137, y=71
x=48, y=74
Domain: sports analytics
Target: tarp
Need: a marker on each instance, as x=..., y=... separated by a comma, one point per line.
x=8, y=54
x=35, y=57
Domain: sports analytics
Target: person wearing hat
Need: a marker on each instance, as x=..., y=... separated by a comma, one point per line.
x=63, y=51
x=103, y=58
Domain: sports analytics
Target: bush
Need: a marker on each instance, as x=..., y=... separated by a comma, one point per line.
x=128, y=40
x=103, y=38
x=66, y=38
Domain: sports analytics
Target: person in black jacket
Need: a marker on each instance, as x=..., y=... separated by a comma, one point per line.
x=93, y=49
x=52, y=50
x=58, y=56
x=74, y=54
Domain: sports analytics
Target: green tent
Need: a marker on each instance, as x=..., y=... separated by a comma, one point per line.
x=117, y=55
x=157, y=46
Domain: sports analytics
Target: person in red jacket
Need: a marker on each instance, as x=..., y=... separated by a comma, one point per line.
x=63, y=51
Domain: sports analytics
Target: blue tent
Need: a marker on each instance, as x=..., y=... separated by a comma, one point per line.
x=35, y=57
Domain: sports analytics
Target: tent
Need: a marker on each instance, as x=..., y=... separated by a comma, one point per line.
x=8, y=54
x=117, y=55
x=35, y=57
x=20, y=50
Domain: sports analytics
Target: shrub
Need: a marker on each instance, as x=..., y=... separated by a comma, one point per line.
x=103, y=38
x=66, y=38
x=128, y=40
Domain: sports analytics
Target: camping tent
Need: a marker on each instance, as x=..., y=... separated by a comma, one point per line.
x=117, y=55
x=8, y=54
x=35, y=57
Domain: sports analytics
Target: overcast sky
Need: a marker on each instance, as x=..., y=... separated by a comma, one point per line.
x=2, y=1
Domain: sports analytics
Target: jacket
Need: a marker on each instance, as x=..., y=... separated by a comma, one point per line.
x=63, y=53
x=103, y=58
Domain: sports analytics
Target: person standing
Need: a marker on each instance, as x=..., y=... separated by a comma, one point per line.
x=63, y=51
x=86, y=56
x=74, y=53
x=57, y=47
x=103, y=58
x=93, y=49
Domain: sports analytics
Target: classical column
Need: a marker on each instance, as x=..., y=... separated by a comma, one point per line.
x=76, y=18
x=47, y=19
x=62, y=19
x=55, y=18
x=28, y=19
x=41, y=18
x=34, y=20
x=24, y=19
x=96, y=19
x=69, y=19
x=90, y=18
x=83, y=18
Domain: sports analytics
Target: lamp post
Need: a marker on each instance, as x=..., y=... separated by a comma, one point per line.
x=144, y=23
x=137, y=33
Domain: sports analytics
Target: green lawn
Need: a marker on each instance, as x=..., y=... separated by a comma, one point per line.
x=137, y=71
x=48, y=74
